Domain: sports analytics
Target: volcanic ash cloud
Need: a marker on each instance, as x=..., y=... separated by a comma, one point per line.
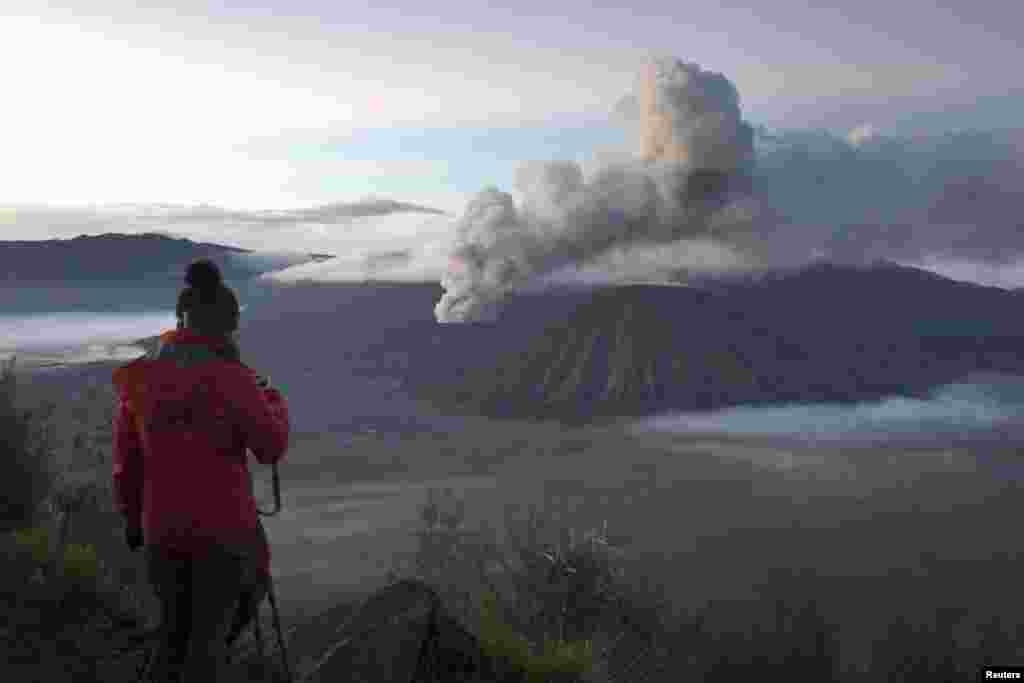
x=689, y=176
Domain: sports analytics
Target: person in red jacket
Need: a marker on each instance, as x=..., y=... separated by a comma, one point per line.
x=187, y=416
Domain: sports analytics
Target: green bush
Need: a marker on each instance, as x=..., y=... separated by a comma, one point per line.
x=564, y=657
x=80, y=562
x=499, y=639
x=555, y=657
x=35, y=541
x=536, y=601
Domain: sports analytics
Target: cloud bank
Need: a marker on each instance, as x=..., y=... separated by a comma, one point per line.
x=66, y=331
x=955, y=197
x=373, y=238
x=698, y=189
x=981, y=408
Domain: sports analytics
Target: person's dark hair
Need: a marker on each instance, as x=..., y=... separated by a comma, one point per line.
x=204, y=276
x=211, y=306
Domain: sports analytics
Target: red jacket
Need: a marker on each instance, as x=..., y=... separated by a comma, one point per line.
x=185, y=418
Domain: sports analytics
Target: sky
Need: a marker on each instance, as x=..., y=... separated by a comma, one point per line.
x=275, y=104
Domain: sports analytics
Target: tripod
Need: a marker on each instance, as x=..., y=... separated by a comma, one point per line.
x=271, y=598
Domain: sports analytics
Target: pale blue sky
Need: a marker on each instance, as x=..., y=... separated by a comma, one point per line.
x=274, y=104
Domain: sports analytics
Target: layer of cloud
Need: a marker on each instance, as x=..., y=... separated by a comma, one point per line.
x=399, y=248
x=954, y=197
x=663, y=263
x=371, y=239
x=940, y=202
x=890, y=197
x=61, y=332
x=952, y=203
x=980, y=408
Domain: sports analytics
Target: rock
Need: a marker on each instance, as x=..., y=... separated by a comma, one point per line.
x=401, y=634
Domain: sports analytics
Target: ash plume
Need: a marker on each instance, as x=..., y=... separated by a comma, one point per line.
x=689, y=180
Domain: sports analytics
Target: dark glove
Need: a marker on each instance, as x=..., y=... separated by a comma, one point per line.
x=133, y=537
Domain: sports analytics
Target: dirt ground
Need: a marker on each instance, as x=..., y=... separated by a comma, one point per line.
x=351, y=504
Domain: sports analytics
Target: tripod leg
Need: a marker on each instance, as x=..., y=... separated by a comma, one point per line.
x=145, y=673
x=277, y=627
x=257, y=631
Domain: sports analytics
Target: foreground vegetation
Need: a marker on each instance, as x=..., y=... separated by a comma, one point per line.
x=559, y=600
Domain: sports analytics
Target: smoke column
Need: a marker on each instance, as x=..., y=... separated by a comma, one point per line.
x=689, y=180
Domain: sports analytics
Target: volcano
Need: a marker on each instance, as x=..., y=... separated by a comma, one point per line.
x=822, y=333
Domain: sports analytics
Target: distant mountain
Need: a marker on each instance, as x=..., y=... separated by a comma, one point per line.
x=115, y=257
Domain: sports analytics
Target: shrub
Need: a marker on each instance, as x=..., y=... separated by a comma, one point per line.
x=555, y=656
x=35, y=541
x=26, y=441
x=22, y=560
x=497, y=638
x=537, y=601
x=561, y=657
x=80, y=562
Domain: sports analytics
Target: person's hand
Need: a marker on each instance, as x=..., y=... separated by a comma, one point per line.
x=262, y=382
x=133, y=537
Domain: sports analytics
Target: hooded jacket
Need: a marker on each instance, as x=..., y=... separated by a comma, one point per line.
x=184, y=421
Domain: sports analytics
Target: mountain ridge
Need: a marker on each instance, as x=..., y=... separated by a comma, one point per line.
x=120, y=257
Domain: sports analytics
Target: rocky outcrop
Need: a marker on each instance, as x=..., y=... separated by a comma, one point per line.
x=401, y=634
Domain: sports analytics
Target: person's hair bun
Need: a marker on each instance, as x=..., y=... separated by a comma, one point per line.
x=203, y=275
